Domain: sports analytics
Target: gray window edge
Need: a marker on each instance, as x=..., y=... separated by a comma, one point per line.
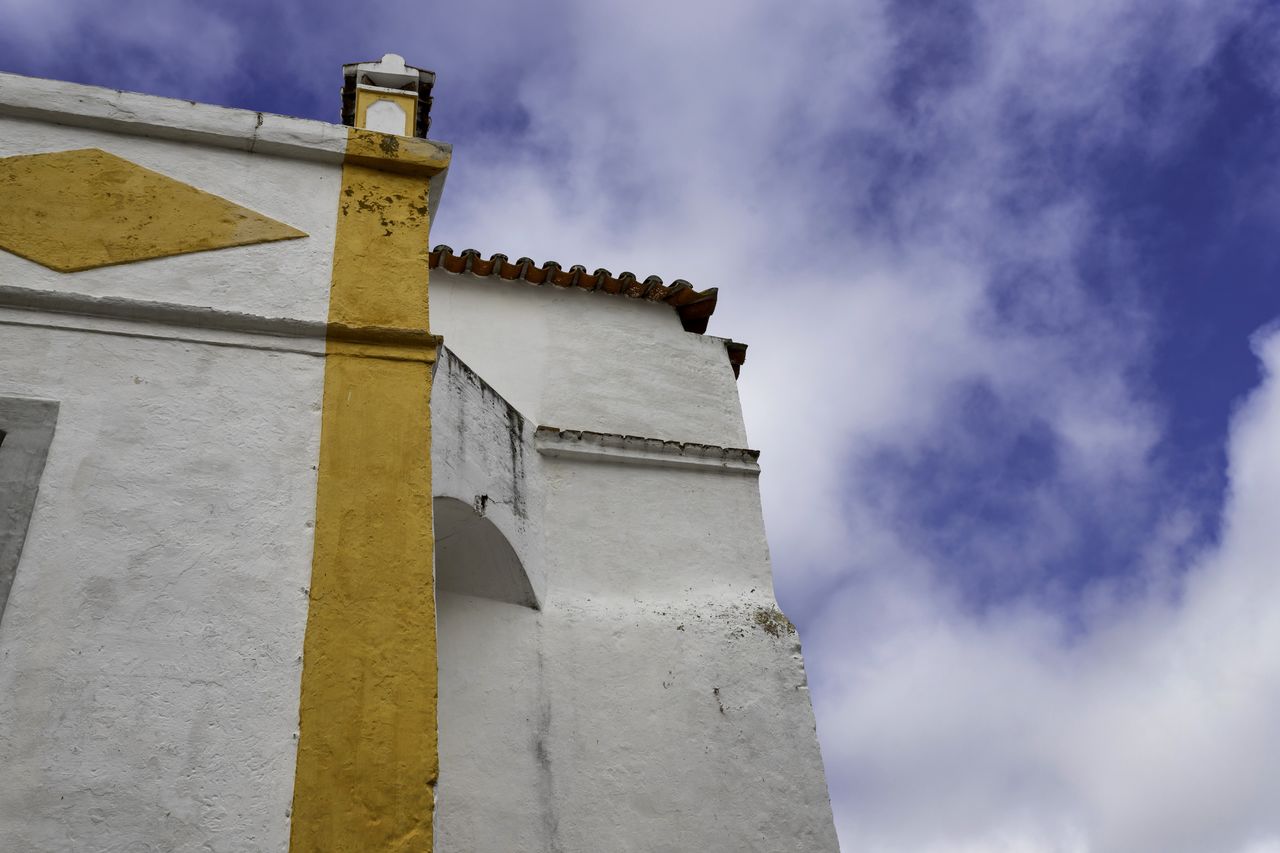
x=28, y=425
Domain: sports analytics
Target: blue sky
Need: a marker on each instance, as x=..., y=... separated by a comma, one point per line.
x=1008, y=271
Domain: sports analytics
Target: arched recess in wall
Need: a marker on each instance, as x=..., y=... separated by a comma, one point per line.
x=474, y=558
x=488, y=634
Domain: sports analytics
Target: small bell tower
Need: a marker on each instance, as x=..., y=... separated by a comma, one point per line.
x=387, y=96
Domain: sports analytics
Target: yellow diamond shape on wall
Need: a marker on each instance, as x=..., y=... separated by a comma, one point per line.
x=77, y=210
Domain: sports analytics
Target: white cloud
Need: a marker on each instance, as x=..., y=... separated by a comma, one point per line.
x=1153, y=731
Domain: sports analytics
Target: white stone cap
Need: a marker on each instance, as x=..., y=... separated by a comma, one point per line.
x=390, y=72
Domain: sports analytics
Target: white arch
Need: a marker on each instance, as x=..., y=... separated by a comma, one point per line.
x=473, y=557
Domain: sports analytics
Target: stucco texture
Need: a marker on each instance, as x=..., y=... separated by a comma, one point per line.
x=655, y=700
x=150, y=651
x=579, y=360
x=367, y=754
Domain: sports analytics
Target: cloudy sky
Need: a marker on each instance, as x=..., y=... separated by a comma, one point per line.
x=1010, y=273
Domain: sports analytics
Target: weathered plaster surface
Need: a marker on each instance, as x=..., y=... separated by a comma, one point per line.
x=590, y=361
x=656, y=702
x=657, y=699
x=484, y=459
x=493, y=792
x=367, y=748
x=149, y=654
x=283, y=279
x=135, y=114
x=696, y=733
x=634, y=449
x=151, y=647
x=367, y=759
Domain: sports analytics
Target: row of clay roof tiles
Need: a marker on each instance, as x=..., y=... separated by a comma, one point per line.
x=694, y=306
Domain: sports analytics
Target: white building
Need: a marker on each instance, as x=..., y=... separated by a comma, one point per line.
x=236, y=512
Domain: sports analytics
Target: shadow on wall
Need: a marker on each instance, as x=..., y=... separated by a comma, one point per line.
x=474, y=558
x=490, y=672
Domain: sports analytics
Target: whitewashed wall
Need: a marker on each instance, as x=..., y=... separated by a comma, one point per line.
x=484, y=467
x=150, y=648
x=580, y=360
x=657, y=700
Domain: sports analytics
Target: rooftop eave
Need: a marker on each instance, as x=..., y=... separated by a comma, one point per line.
x=694, y=307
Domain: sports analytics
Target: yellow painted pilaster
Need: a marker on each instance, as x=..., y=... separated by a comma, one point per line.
x=367, y=751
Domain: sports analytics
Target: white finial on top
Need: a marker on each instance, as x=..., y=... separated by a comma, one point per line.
x=393, y=63
x=387, y=96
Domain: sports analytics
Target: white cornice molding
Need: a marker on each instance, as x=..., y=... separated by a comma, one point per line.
x=95, y=107
x=172, y=321
x=72, y=104
x=630, y=449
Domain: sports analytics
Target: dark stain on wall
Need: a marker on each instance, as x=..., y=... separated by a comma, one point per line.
x=519, y=434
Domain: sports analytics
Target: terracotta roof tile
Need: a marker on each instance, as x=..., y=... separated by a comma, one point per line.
x=737, y=355
x=693, y=306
